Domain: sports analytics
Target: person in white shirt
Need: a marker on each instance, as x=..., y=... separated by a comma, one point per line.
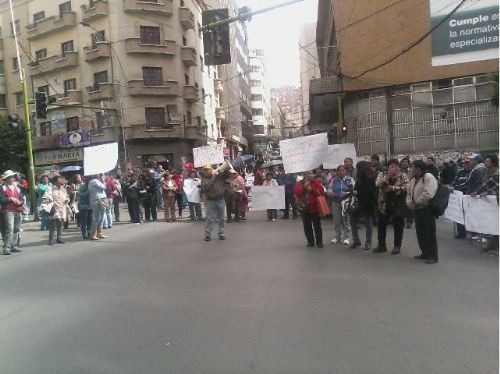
x=269, y=181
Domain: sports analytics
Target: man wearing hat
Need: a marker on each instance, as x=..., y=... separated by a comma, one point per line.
x=12, y=208
x=212, y=185
x=478, y=174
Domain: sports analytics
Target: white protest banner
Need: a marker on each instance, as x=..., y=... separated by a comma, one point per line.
x=481, y=214
x=264, y=197
x=191, y=190
x=337, y=153
x=209, y=155
x=304, y=153
x=455, y=211
x=100, y=158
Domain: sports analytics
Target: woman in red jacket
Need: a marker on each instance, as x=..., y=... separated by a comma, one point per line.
x=306, y=192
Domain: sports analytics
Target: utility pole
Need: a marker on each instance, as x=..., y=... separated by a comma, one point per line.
x=245, y=15
x=27, y=117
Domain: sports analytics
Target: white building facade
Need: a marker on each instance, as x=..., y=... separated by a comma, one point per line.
x=260, y=95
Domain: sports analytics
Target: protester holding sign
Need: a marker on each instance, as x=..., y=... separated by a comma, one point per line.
x=422, y=189
x=306, y=192
x=269, y=181
x=339, y=190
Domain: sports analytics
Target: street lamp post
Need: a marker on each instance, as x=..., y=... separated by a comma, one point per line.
x=27, y=117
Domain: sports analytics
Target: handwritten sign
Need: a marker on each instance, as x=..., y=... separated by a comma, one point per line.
x=481, y=214
x=100, y=158
x=267, y=197
x=337, y=153
x=304, y=153
x=209, y=155
x=455, y=212
x=190, y=187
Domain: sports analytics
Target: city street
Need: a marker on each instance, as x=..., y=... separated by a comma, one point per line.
x=156, y=298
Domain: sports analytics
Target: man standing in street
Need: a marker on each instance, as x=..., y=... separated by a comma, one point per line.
x=432, y=168
x=98, y=203
x=422, y=189
x=288, y=180
x=350, y=170
x=213, y=188
x=12, y=208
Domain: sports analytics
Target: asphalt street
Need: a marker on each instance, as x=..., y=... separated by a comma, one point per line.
x=156, y=298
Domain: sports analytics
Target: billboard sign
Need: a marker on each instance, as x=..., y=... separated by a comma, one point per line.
x=470, y=34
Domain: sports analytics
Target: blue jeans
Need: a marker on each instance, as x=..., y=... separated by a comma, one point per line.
x=215, y=214
x=12, y=226
x=108, y=215
x=97, y=215
x=367, y=218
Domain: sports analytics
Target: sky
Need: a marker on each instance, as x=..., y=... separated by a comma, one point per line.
x=277, y=33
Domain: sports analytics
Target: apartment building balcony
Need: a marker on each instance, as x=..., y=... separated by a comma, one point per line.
x=186, y=17
x=245, y=107
x=51, y=25
x=142, y=131
x=97, y=51
x=134, y=46
x=194, y=132
x=220, y=114
x=54, y=63
x=71, y=97
x=100, y=92
x=137, y=87
x=218, y=85
x=189, y=56
x=163, y=7
x=99, y=9
x=191, y=93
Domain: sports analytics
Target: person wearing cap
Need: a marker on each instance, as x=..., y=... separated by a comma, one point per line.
x=460, y=184
x=432, y=168
x=169, y=188
x=269, y=181
x=212, y=185
x=12, y=208
x=41, y=188
x=477, y=176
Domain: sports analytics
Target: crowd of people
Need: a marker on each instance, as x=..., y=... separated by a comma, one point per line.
x=398, y=194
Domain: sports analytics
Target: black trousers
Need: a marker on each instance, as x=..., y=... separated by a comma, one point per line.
x=116, y=208
x=135, y=210
x=312, y=222
x=425, y=225
x=289, y=201
x=85, y=222
x=461, y=232
x=150, y=207
x=398, y=223
x=180, y=203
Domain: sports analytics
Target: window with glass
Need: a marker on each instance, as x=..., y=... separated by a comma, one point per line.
x=155, y=117
x=67, y=47
x=1, y=67
x=152, y=76
x=3, y=101
x=100, y=77
x=189, y=118
x=40, y=54
x=38, y=16
x=72, y=124
x=18, y=27
x=44, y=89
x=150, y=35
x=198, y=121
x=98, y=36
x=65, y=7
x=69, y=84
x=45, y=128
x=257, y=112
x=19, y=98
x=15, y=64
x=256, y=97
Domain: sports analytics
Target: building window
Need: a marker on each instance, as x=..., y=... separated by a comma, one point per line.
x=3, y=101
x=182, y=3
x=203, y=95
x=254, y=83
x=45, y=128
x=19, y=98
x=256, y=97
x=15, y=64
x=96, y=37
x=150, y=35
x=184, y=41
x=18, y=27
x=254, y=69
x=257, y=112
x=65, y=7
x=152, y=76
x=200, y=34
x=186, y=78
x=72, y=124
x=40, y=54
x=99, y=122
x=69, y=84
x=1, y=68
x=155, y=117
x=202, y=64
x=198, y=120
x=44, y=89
x=38, y=16
x=100, y=77
x=67, y=47
x=189, y=118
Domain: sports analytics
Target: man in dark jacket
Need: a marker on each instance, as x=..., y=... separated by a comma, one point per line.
x=288, y=180
x=212, y=186
x=477, y=176
x=432, y=168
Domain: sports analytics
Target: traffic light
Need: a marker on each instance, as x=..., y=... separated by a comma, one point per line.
x=344, y=129
x=13, y=121
x=41, y=105
x=216, y=40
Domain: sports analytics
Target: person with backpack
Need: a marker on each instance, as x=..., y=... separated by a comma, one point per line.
x=422, y=189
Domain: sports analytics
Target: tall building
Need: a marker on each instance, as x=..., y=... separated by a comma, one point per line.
x=289, y=98
x=399, y=96
x=127, y=71
x=309, y=69
x=260, y=96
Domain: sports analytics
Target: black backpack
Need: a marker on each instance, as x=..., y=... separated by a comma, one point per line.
x=439, y=202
